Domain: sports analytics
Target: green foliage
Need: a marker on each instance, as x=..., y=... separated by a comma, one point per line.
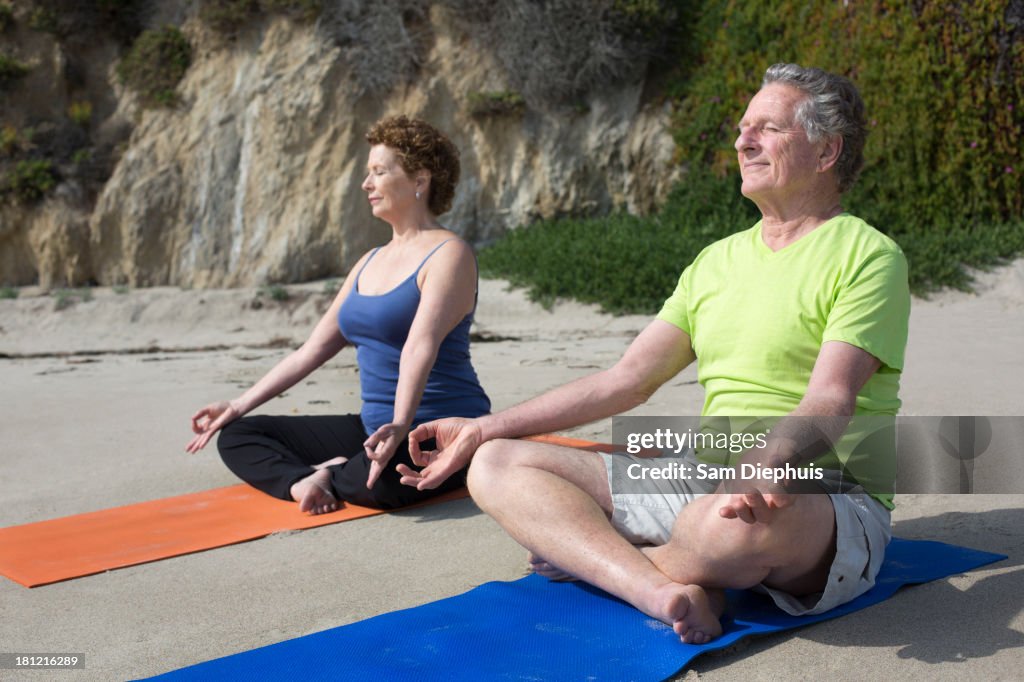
x=10, y=70
x=155, y=65
x=943, y=83
x=65, y=298
x=228, y=16
x=44, y=20
x=495, y=103
x=6, y=16
x=29, y=180
x=624, y=263
x=11, y=140
x=274, y=292
x=81, y=22
x=80, y=112
x=641, y=18
x=8, y=293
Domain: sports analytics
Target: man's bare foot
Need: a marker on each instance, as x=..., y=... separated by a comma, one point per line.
x=549, y=571
x=689, y=609
x=313, y=493
x=330, y=462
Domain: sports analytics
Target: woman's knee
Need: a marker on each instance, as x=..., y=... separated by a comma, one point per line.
x=234, y=436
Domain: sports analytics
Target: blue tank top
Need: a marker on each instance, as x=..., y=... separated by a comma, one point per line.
x=378, y=327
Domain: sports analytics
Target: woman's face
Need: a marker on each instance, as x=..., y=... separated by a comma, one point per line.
x=391, y=191
x=777, y=161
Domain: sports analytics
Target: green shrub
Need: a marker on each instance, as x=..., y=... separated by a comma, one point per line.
x=80, y=112
x=622, y=262
x=30, y=180
x=155, y=65
x=274, y=292
x=10, y=140
x=6, y=16
x=228, y=16
x=8, y=293
x=495, y=103
x=11, y=70
x=44, y=20
x=65, y=298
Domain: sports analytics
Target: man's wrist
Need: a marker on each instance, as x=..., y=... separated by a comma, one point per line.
x=489, y=427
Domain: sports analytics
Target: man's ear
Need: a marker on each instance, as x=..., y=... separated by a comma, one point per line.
x=831, y=149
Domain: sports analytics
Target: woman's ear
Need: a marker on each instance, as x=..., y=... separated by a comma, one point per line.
x=422, y=180
x=831, y=149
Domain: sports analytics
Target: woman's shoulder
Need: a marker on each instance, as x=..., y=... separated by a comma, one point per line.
x=449, y=246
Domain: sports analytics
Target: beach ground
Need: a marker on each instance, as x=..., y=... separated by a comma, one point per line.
x=97, y=397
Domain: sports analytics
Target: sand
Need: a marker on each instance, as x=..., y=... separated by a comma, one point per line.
x=96, y=399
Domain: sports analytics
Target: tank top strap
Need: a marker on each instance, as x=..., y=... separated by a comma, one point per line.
x=427, y=257
x=360, y=273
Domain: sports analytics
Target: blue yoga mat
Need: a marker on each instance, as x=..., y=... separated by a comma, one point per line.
x=534, y=629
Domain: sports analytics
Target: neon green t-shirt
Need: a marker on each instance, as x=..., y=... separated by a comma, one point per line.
x=757, y=318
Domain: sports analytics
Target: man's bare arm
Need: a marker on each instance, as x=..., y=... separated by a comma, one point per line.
x=840, y=372
x=661, y=351
x=658, y=353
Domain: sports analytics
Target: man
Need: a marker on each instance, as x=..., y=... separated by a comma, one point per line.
x=803, y=315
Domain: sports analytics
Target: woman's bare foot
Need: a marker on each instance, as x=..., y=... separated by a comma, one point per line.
x=330, y=462
x=550, y=571
x=313, y=493
x=691, y=611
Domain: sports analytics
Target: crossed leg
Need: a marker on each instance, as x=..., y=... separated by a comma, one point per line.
x=556, y=502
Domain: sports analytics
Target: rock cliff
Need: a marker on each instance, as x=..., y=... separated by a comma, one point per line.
x=255, y=175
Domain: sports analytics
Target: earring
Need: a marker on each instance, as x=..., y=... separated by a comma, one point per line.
x=417, y=196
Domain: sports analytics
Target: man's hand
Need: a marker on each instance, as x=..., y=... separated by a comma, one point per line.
x=754, y=506
x=380, y=448
x=456, y=440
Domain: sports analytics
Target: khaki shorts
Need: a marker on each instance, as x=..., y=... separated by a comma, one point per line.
x=863, y=530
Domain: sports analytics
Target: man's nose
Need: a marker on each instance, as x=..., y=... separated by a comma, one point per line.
x=744, y=141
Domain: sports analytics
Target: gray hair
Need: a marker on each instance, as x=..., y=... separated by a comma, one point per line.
x=833, y=107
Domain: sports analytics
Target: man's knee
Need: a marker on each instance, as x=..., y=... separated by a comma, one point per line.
x=488, y=467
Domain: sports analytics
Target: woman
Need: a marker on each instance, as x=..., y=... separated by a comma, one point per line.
x=407, y=309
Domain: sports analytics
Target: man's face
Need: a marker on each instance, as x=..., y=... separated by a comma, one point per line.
x=777, y=161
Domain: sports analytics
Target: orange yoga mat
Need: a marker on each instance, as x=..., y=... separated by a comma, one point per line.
x=84, y=544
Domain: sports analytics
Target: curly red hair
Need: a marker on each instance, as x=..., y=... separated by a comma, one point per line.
x=420, y=146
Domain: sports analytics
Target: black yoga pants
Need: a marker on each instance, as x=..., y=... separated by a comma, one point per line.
x=271, y=453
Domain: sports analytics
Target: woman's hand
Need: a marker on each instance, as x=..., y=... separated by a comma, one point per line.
x=380, y=448
x=208, y=421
